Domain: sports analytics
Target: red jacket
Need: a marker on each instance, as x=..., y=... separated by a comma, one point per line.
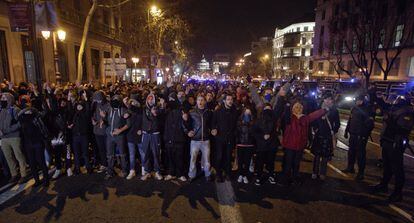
x=295, y=136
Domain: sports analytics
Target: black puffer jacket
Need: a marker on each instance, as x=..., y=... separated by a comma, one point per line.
x=225, y=121
x=361, y=121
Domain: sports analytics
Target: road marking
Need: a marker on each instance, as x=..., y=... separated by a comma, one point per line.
x=402, y=212
x=229, y=209
x=331, y=166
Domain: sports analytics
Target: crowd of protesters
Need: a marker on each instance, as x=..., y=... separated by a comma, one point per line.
x=172, y=131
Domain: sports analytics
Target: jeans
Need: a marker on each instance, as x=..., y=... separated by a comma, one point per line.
x=36, y=157
x=244, y=155
x=195, y=148
x=132, y=148
x=266, y=157
x=223, y=157
x=101, y=146
x=151, y=146
x=320, y=164
x=80, y=145
x=357, y=150
x=292, y=159
x=175, y=155
x=112, y=143
x=12, y=146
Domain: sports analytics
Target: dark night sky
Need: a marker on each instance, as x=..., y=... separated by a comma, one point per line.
x=229, y=26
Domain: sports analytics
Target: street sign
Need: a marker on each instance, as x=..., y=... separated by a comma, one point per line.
x=20, y=17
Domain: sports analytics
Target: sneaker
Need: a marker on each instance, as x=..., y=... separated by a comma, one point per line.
x=257, y=182
x=245, y=180
x=272, y=180
x=240, y=179
x=183, y=179
x=314, y=176
x=131, y=174
x=322, y=177
x=56, y=174
x=145, y=176
x=69, y=172
x=169, y=177
x=101, y=169
x=158, y=176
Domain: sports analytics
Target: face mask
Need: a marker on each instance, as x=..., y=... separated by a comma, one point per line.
x=247, y=118
x=115, y=104
x=3, y=104
x=268, y=97
x=22, y=91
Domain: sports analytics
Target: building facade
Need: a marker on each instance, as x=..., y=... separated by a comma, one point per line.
x=335, y=40
x=292, y=50
x=221, y=63
x=104, y=41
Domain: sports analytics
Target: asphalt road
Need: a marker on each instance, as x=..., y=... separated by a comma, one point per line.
x=89, y=198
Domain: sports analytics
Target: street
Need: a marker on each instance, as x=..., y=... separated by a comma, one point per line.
x=89, y=198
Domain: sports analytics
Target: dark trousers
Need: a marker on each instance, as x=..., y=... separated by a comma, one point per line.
x=101, y=146
x=223, y=157
x=393, y=164
x=36, y=157
x=58, y=151
x=266, y=157
x=244, y=155
x=80, y=145
x=175, y=155
x=151, y=145
x=320, y=164
x=357, y=151
x=3, y=165
x=291, y=163
x=112, y=143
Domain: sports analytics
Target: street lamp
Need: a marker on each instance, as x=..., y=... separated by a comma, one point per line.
x=61, y=35
x=135, y=60
x=154, y=11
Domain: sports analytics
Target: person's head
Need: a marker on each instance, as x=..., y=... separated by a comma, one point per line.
x=328, y=99
x=24, y=101
x=228, y=100
x=209, y=96
x=360, y=100
x=191, y=100
x=6, y=100
x=297, y=109
x=150, y=101
x=268, y=94
x=247, y=115
x=116, y=101
x=201, y=102
x=181, y=96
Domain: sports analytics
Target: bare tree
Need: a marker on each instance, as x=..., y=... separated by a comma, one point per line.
x=365, y=32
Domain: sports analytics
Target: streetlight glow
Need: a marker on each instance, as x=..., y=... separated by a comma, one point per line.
x=135, y=60
x=46, y=34
x=61, y=35
x=155, y=11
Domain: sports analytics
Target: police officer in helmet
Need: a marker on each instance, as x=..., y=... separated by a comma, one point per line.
x=398, y=123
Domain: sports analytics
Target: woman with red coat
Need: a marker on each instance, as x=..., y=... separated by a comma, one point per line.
x=295, y=138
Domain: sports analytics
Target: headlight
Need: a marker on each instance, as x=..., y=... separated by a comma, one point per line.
x=349, y=98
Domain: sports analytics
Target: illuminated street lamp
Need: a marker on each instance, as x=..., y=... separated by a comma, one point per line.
x=61, y=35
x=135, y=60
x=153, y=11
x=167, y=69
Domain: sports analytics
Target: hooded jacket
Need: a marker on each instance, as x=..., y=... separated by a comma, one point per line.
x=34, y=130
x=9, y=125
x=97, y=108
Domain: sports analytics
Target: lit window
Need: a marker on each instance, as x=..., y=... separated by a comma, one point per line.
x=398, y=35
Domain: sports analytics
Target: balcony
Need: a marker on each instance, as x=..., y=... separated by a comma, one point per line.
x=77, y=18
x=291, y=55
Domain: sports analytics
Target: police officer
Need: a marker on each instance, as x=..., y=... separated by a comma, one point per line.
x=398, y=122
x=359, y=127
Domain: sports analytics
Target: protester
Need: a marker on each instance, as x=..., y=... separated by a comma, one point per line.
x=10, y=137
x=324, y=139
x=134, y=135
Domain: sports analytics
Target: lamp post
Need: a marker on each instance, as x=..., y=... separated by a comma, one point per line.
x=154, y=11
x=61, y=35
